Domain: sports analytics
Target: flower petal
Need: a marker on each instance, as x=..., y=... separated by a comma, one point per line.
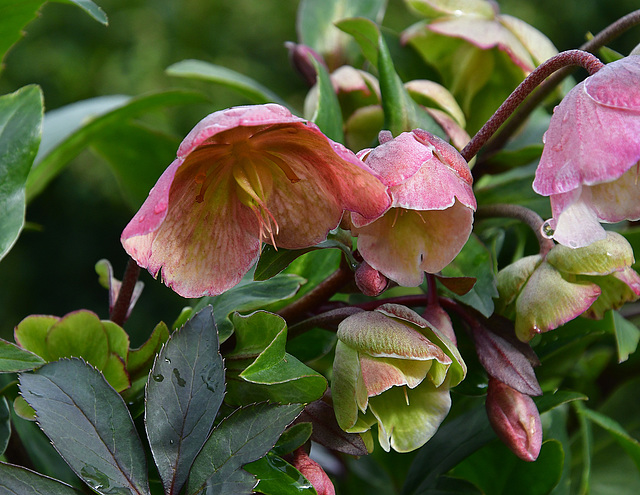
x=347, y=386
x=380, y=374
x=577, y=225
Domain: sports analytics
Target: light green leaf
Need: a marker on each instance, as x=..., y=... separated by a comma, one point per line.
x=243, y=437
x=16, y=14
x=13, y=358
x=67, y=131
x=199, y=69
x=249, y=297
x=328, y=115
x=5, y=424
x=90, y=8
x=627, y=336
x=20, y=132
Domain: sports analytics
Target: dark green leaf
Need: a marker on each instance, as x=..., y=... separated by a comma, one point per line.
x=552, y=400
x=328, y=116
x=15, y=16
x=494, y=469
x=292, y=438
x=90, y=8
x=67, y=131
x=5, y=424
x=627, y=336
x=199, y=69
x=20, y=132
x=277, y=477
x=89, y=425
x=245, y=436
x=475, y=261
x=249, y=297
x=20, y=481
x=184, y=393
x=452, y=443
x=13, y=358
x=137, y=155
x=626, y=441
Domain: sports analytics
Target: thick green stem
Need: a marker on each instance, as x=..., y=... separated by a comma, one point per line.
x=531, y=82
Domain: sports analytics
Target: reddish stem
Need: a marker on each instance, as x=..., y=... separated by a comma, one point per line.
x=121, y=306
x=572, y=57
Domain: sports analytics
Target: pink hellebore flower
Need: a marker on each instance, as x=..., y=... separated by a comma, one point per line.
x=244, y=176
x=590, y=162
x=431, y=215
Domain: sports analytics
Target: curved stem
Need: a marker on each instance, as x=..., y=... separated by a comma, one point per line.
x=544, y=70
x=329, y=320
x=525, y=215
x=121, y=306
x=598, y=41
x=320, y=294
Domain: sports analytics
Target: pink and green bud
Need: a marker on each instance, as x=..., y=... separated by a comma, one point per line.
x=546, y=293
x=589, y=165
x=392, y=368
x=300, y=57
x=244, y=176
x=314, y=473
x=431, y=214
x=370, y=281
x=515, y=419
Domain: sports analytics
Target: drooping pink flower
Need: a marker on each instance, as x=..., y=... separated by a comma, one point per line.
x=244, y=176
x=431, y=215
x=590, y=162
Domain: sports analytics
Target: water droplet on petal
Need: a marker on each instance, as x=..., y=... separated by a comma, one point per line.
x=141, y=218
x=160, y=207
x=547, y=230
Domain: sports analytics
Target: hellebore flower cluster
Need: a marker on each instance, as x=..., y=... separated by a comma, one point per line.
x=244, y=176
x=545, y=293
x=431, y=215
x=392, y=367
x=590, y=162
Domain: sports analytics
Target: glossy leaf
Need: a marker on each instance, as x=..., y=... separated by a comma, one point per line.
x=199, y=69
x=5, y=424
x=245, y=436
x=20, y=131
x=67, y=131
x=18, y=480
x=475, y=261
x=11, y=26
x=627, y=336
x=184, y=393
x=13, y=358
x=277, y=477
x=90, y=8
x=292, y=438
x=89, y=425
x=140, y=360
x=249, y=297
x=328, y=115
x=266, y=371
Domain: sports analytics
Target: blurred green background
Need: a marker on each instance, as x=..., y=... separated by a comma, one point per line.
x=79, y=217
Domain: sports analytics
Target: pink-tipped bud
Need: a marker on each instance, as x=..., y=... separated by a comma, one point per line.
x=299, y=56
x=311, y=470
x=370, y=281
x=515, y=419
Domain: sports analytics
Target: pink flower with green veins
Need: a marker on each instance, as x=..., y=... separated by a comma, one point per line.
x=590, y=162
x=244, y=176
x=431, y=214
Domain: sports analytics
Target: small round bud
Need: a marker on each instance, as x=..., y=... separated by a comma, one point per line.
x=370, y=281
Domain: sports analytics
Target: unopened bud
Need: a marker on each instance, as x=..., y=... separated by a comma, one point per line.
x=515, y=419
x=311, y=470
x=370, y=281
x=299, y=58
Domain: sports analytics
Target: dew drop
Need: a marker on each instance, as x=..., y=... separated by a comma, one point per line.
x=158, y=377
x=292, y=130
x=547, y=230
x=141, y=218
x=167, y=360
x=170, y=442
